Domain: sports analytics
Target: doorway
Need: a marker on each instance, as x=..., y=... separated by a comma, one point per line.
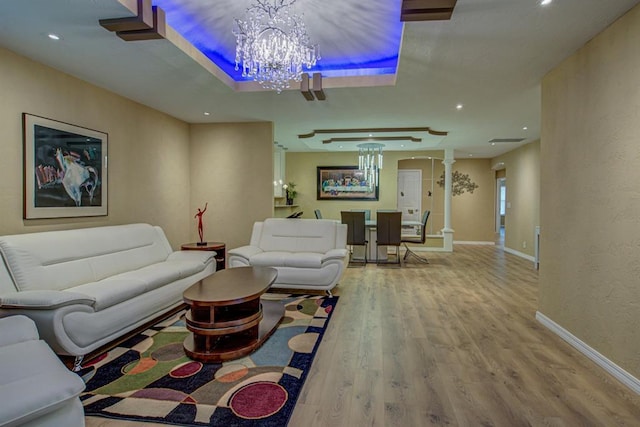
x=501, y=207
x=410, y=194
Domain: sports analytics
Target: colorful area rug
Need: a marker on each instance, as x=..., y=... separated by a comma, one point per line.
x=149, y=378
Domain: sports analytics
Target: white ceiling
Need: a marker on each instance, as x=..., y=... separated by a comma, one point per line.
x=490, y=57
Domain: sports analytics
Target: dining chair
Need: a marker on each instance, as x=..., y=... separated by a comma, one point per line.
x=356, y=232
x=417, y=239
x=367, y=213
x=389, y=233
x=318, y=214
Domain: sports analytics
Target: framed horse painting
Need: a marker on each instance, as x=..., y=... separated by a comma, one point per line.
x=65, y=169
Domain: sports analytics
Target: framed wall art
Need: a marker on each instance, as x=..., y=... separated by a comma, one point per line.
x=65, y=169
x=346, y=183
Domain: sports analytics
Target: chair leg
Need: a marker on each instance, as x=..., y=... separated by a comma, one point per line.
x=409, y=252
x=77, y=363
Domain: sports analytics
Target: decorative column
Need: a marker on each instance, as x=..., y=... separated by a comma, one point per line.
x=447, y=231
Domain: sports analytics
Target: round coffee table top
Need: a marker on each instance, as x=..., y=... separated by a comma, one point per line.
x=231, y=286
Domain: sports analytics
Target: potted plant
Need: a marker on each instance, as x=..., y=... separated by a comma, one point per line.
x=291, y=192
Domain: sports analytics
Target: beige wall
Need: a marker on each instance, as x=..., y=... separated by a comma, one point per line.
x=522, y=173
x=160, y=168
x=232, y=170
x=472, y=215
x=148, y=150
x=590, y=206
x=301, y=169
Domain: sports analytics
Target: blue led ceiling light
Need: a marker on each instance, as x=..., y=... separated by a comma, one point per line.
x=368, y=46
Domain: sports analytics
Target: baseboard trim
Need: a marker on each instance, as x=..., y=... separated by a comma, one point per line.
x=520, y=254
x=616, y=371
x=469, y=242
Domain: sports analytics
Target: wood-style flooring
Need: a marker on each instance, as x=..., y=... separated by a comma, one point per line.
x=454, y=343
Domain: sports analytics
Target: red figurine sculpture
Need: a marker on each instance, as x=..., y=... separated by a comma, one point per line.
x=200, y=229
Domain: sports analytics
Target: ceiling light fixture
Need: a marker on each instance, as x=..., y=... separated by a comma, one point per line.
x=459, y=107
x=272, y=45
x=370, y=161
x=545, y=2
x=53, y=36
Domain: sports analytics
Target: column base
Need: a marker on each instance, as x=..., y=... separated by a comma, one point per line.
x=448, y=239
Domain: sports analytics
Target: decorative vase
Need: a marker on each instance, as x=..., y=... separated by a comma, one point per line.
x=289, y=201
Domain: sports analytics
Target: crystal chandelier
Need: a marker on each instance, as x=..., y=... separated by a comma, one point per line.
x=370, y=161
x=272, y=44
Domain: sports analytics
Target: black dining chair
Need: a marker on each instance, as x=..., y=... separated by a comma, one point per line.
x=417, y=239
x=318, y=214
x=389, y=233
x=356, y=232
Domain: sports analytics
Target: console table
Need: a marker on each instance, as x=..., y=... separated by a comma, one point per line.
x=218, y=247
x=227, y=319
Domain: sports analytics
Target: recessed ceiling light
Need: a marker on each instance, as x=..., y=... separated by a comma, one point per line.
x=524, y=128
x=54, y=36
x=545, y=2
x=459, y=107
x=493, y=143
x=206, y=113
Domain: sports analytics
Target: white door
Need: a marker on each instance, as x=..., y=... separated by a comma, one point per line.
x=410, y=194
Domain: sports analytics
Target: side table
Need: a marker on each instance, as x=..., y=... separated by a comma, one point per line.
x=218, y=247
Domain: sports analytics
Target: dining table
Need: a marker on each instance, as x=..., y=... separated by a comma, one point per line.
x=377, y=252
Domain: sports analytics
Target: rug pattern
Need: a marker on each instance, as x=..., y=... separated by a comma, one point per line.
x=149, y=378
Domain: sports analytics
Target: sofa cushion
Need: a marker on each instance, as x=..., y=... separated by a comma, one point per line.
x=58, y=260
x=122, y=287
x=288, y=259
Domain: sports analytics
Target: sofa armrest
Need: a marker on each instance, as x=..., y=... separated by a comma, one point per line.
x=44, y=299
x=203, y=256
x=245, y=252
x=334, y=254
x=16, y=329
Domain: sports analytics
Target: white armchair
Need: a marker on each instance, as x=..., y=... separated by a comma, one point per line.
x=36, y=389
x=308, y=253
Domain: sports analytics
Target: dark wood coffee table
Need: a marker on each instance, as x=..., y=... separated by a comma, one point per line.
x=227, y=319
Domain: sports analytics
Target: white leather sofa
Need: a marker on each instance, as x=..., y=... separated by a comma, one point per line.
x=308, y=253
x=87, y=287
x=36, y=389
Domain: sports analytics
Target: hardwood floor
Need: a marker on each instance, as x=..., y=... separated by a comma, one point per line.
x=456, y=343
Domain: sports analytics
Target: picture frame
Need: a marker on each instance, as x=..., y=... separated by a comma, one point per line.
x=65, y=169
x=345, y=183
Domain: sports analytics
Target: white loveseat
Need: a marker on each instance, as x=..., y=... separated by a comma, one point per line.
x=87, y=287
x=308, y=253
